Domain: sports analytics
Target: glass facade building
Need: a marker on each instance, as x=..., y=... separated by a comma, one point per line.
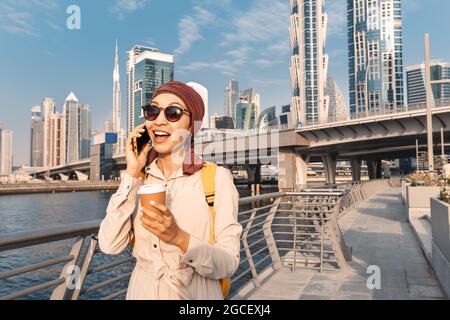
x=268, y=118
x=309, y=63
x=231, y=97
x=247, y=110
x=375, y=54
x=245, y=115
x=147, y=69
x=37, y=138
x=77, y=129
x=415, y=82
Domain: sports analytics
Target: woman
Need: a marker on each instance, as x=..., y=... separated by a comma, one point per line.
x=173, y=257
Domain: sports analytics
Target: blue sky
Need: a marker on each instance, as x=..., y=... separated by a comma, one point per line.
x=213, y=41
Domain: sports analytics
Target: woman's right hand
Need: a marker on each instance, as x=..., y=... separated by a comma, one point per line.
x=135, y=164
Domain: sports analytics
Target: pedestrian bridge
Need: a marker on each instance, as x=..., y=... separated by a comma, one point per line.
x=313, y=244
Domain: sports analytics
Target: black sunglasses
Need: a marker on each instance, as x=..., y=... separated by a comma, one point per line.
x=172, y=113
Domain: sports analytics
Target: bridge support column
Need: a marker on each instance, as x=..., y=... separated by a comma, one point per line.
x=292, y=170
x=254, y=177
x=374, y=169
x=356, y=169
x=330, y=164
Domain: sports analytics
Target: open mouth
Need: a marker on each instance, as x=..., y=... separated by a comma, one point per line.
x=161, y=136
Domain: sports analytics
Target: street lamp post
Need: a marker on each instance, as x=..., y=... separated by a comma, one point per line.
x=429, y=103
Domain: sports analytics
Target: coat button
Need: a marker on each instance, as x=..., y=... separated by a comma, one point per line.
x=190, y=261
x=155, y=246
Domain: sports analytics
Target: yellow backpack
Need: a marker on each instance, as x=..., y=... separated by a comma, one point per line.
x=209, y=184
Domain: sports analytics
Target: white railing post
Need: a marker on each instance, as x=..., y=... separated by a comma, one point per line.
x=84, y=268
x=270, y=240
x=60, y=291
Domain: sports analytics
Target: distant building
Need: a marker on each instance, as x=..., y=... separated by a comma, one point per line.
x=48, y=107
x=415, y=81
x=37, y=138
x=309, y=63
x=268, y=119
x=247, y=110
x=224, y=122
x=337, y=110
x=57, y=140
x=231, y=97
x=78, y=129
x=285, y=118
x=116, y=95
x=6, y=156
x=375, y=52
x=108, y=126
x=147, y=69
x=101, y=166
x=212, y=120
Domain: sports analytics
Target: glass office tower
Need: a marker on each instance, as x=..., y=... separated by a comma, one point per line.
x=375, y=54
x=147, y=69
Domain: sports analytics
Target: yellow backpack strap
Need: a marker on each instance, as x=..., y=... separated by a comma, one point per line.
x=209, y=187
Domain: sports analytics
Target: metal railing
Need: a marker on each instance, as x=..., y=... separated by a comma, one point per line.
x=297, y=229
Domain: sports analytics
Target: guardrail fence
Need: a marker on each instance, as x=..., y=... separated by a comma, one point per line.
x=280, y=230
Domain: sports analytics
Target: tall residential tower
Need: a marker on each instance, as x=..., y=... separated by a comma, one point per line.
x=37, y=138
x=116, y=94
x=231, y=97
x=309, y=63
x=77, y=129
x=375, y=54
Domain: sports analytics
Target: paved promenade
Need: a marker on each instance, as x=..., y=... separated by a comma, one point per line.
x=380, y=235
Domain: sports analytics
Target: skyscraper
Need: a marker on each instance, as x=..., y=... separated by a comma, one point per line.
x=375, y=55
x=415, y=81
x=147, y=69
x=6, y=157
x=309, y=63
x=37, y=138
x=85, y=131
x=48, y=107
x=337, y=110
x=247, y=108
x=57, y=140
x=77, y=129
x=116, y=94
x=231, y=97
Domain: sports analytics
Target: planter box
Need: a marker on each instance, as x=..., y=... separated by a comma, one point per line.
x=440, y=225
x=418, y=200
x=404, y=185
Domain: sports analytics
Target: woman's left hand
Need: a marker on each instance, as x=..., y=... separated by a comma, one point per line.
x=161, y=222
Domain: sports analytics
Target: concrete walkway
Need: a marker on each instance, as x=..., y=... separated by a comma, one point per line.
x=380, y=236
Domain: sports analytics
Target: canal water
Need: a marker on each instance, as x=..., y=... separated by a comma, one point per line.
x=35, y=211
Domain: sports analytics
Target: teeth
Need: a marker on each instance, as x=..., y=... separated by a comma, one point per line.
x=161, y=133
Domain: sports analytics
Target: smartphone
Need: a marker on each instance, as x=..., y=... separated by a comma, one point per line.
x=139, y=143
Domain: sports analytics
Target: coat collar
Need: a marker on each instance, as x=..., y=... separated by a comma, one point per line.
x=154, y=170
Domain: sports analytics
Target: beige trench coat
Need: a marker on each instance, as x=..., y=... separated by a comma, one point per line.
x=162, y=271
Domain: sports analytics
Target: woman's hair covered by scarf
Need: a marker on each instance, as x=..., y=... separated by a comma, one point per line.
x=194, y=103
